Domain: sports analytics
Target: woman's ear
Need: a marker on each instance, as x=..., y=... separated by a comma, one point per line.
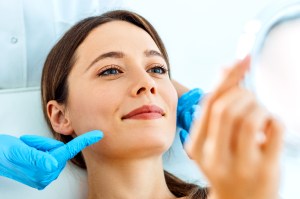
x=59, y=119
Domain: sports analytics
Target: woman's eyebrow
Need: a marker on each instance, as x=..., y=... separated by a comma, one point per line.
x=119, y=55
x=112, y=54
x=150, y=53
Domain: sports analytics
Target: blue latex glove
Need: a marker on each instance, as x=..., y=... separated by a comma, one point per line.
x=35, y=160
x=187, y=106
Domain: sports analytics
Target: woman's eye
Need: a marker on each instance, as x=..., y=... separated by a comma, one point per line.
x=158, y=70
x=109, y=72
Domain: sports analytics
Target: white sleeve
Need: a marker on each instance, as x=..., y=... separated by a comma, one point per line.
x=31, y=28
x=11, y=40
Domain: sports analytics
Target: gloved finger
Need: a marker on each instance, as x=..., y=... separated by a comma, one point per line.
x=189, y=99
x=193, y=95
x=29, y=158
x=187, y=120
x=41, y=143
x=197, y=111
x=72, y=148
x=184, y=136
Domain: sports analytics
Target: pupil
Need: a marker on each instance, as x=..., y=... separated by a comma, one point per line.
x=114, y=71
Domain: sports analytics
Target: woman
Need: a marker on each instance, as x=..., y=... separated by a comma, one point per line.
x=112, y=73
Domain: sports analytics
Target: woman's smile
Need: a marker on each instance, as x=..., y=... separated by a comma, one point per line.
x=145, y=112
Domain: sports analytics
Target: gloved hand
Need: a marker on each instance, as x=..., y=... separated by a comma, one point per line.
x=186, y=108
x=35, y=160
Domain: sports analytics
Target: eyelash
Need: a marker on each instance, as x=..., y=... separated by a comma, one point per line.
x=159, y=66
x=104, y=70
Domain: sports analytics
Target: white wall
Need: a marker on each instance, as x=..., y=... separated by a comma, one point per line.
x=200, y=35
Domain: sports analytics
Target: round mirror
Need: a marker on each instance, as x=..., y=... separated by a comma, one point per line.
x=273, y=40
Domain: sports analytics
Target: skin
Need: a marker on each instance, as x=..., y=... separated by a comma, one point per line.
x=224, y=142
x=181, y=89
x=127, y=163
x=131, y=150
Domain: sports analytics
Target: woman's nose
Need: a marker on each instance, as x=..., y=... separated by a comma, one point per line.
x=144, y=84
x=144, y=89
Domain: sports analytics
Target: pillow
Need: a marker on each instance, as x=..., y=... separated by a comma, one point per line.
x=21, y=113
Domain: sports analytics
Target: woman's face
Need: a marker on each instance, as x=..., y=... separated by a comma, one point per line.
x=120, y=85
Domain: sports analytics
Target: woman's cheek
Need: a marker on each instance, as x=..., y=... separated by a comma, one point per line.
x=172, y=96
x=170, y=99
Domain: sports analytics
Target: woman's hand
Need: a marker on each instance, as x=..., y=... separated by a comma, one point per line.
x=224, y=142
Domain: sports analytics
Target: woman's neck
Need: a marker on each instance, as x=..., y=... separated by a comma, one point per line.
x=143, y=178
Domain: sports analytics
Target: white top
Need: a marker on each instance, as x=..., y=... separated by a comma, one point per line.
x=28, y=30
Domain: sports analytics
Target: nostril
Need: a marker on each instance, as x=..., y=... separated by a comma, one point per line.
x=152, y=90
x=141, y=90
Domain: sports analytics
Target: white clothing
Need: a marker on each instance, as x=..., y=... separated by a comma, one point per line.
x=28, y=30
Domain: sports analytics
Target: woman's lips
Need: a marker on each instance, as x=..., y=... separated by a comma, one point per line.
x=145, y=112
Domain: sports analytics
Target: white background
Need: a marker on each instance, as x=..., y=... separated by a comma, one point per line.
x=200, y=35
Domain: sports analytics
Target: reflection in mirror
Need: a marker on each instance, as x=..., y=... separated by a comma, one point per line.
x=274, y=44
x=277, y=74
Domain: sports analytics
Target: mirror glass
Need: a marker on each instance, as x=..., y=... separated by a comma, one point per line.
x=274, y=44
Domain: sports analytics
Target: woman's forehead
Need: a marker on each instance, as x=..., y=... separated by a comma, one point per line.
x=119, y=34
x=119, y=38
x=116, y=36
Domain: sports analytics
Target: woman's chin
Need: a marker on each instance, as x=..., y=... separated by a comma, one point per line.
x=152, y=143
x=136, y=147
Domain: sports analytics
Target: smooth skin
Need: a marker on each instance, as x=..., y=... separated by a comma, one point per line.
x=127, y=163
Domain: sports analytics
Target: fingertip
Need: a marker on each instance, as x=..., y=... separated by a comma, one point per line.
x=247, y=62
x=242, y=64
x=244, y=58
x=69, y=150
x=94, y=135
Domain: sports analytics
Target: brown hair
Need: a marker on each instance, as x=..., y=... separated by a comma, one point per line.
x=59, y=64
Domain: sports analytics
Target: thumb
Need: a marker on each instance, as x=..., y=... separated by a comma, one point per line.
x=72, y=148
